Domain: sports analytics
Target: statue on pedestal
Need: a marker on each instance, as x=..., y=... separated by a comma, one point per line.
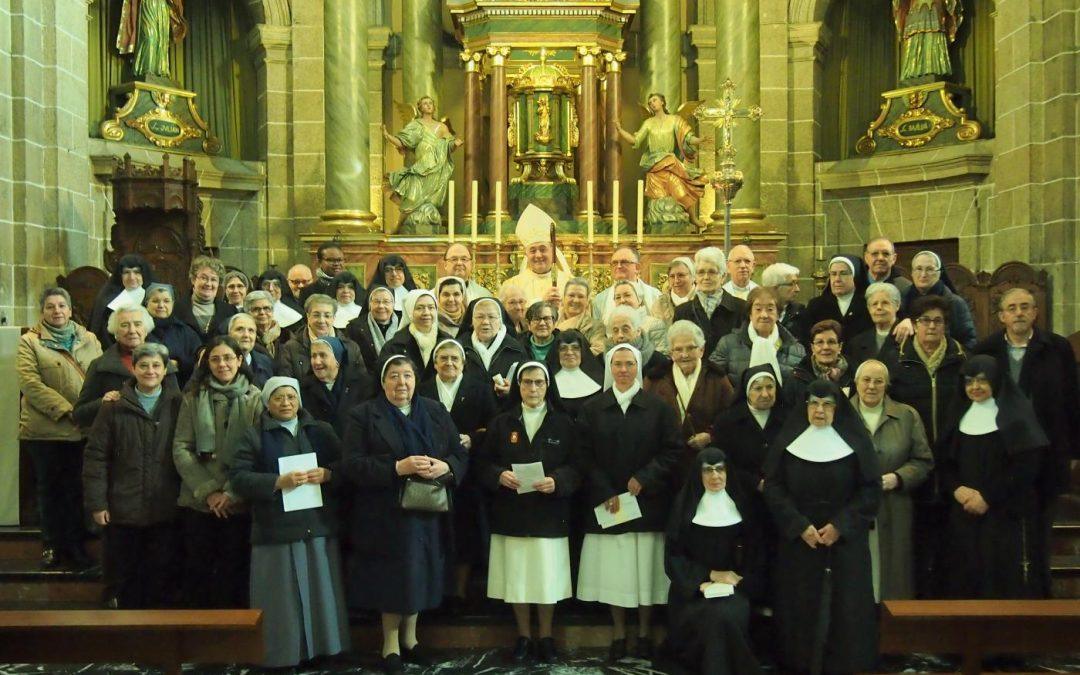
x=146, y=28
x=672, y=185
x=420, y=188
x=926, y=28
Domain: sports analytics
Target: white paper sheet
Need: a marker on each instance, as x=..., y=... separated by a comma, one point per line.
x=719, y=590
x=307, y=496
x=527, y=475
x=628, y=510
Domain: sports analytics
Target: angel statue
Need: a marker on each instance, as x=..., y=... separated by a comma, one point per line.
x=146, y=27
x=420, y=188
x=925, y=29
x=673, y=186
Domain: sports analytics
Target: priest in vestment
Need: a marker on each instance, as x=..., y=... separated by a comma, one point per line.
x=540, y=261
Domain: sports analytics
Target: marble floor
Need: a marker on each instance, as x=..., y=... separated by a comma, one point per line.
x=494, y=662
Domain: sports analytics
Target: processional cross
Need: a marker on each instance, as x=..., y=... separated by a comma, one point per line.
x=723, y=113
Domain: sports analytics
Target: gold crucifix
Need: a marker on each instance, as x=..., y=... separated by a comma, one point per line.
x=724, y=114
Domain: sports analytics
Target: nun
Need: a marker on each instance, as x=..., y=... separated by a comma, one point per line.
x=398, y=444
x=713, y=554
x=393, y=272
x=181, y=339
x=490, y=345
x=630, y=445
x=346, y=289
x=471, y=403
x=334, y=386
x=823, y=488
x=295, y=562
x=377, y=324
x=989, y=470
x=127, y=285
x=578, y=375
x=529, y=563
x=287, y=310
x=419, y=332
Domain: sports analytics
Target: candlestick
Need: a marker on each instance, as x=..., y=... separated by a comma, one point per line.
x=450, y=210
x=498, y=213
x=589, y=208
x=475, y=208
x=614, y=213
x=640, y=212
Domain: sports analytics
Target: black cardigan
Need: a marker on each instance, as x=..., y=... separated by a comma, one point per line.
x=645, y=443
x=532, y=514
x=474, y=406
x=729, y=315
x=218, y=323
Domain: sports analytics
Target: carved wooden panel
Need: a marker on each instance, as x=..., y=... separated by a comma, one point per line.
x=983, y=291
x=83, y=284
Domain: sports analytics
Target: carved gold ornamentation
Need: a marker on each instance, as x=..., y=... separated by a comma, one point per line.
x=161, y=126
x=574, y=132
x=916, y=127
x=512, y=128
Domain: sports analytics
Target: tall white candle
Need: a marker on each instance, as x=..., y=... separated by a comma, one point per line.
x=640, y=212
x=498, y=212
x=475, y=209
x=450, y=210
x=614, y=213
x=589, y=208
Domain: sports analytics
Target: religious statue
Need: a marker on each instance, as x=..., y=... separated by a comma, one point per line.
x=671, y=183
x=420, y=188
x=146, y=28
x=926, y=28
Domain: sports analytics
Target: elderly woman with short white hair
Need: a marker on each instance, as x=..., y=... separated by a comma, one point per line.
x=696, y=391
x=261, y=305
x=294, y=358
x=713, y=310
x=625, y=325
x=784, y=280
x=905, y=462
x=883, y=303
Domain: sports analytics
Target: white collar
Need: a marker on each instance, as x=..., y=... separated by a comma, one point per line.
x=716, y=509
x=760, y=416
x=486, y=352
x=345, y=314
x=284, y=315
x=980, y=418
x=1027, y=340
x=624, y=397
x=684, y=386
x=574, y=383
x=448, y=392
x=820, y=444
x=844, y=302
x=125, y=297
x=676, y=300
x=532, y=418
x=871, y=417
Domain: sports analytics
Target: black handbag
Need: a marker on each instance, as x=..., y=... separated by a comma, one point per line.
x=422, y=494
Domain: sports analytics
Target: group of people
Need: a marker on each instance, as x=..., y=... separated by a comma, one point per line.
x=711, y=445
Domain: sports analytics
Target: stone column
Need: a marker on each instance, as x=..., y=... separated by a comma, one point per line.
x=612, y=143
x=738, y=57
x=661, y=50
x=421, y=49
x=473, y=111
x=497, y=168
x=348, y=169
x=270, y=49
x=588, y=138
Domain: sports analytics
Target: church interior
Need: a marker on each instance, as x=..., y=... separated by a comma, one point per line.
x=254, y=131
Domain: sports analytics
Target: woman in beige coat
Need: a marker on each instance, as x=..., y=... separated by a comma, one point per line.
x=219, y=406
x=52, y=359
x=905, y=459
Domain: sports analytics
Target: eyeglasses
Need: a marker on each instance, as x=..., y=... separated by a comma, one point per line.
x=206, y=279
x=715, y=470
x=930, y=321
x=825, y=343
x=543, y=319
x=924, y=270
x=529, y=382
x=333, y=260
x=569, y=349
x=392, y=269
x=679, y=351
x=259, y=309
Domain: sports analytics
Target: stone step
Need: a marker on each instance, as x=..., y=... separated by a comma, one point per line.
x=24, y=581
x=24, y=543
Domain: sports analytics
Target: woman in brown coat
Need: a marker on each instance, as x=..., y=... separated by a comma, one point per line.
x=905, y=460
x=696, y=391
x=131, y=485
x=52, y=361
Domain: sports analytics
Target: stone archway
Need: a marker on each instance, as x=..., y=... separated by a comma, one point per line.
x=270, y=12
x=807, y=11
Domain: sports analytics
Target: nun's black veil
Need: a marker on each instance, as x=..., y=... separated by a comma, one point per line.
x=590, y=365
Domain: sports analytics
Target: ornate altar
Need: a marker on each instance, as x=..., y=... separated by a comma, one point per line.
x=157, y=211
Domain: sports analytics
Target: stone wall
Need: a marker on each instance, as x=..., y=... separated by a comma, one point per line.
x=46, y=218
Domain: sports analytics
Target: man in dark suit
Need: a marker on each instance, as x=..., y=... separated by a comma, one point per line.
x=1043, y=366
x=331, y=261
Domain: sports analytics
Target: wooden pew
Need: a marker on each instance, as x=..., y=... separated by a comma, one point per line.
x=974, y=628
x=162, y=638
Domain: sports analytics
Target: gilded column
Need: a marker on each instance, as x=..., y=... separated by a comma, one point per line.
x=738, y=56
x=661, y=49
x=497, y=168
x=473, y=110
x=612, y=144
x=421, y=49
x=345, y=64
x=588, y=130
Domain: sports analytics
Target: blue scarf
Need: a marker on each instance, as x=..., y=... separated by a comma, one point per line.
x=414, y=430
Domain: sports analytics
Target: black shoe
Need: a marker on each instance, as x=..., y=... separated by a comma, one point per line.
x=617, y=650
x=50, y=560
x=418, y=655
x=523, y=649
x=545, y=650
x=644, y=649
x=391, y=663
